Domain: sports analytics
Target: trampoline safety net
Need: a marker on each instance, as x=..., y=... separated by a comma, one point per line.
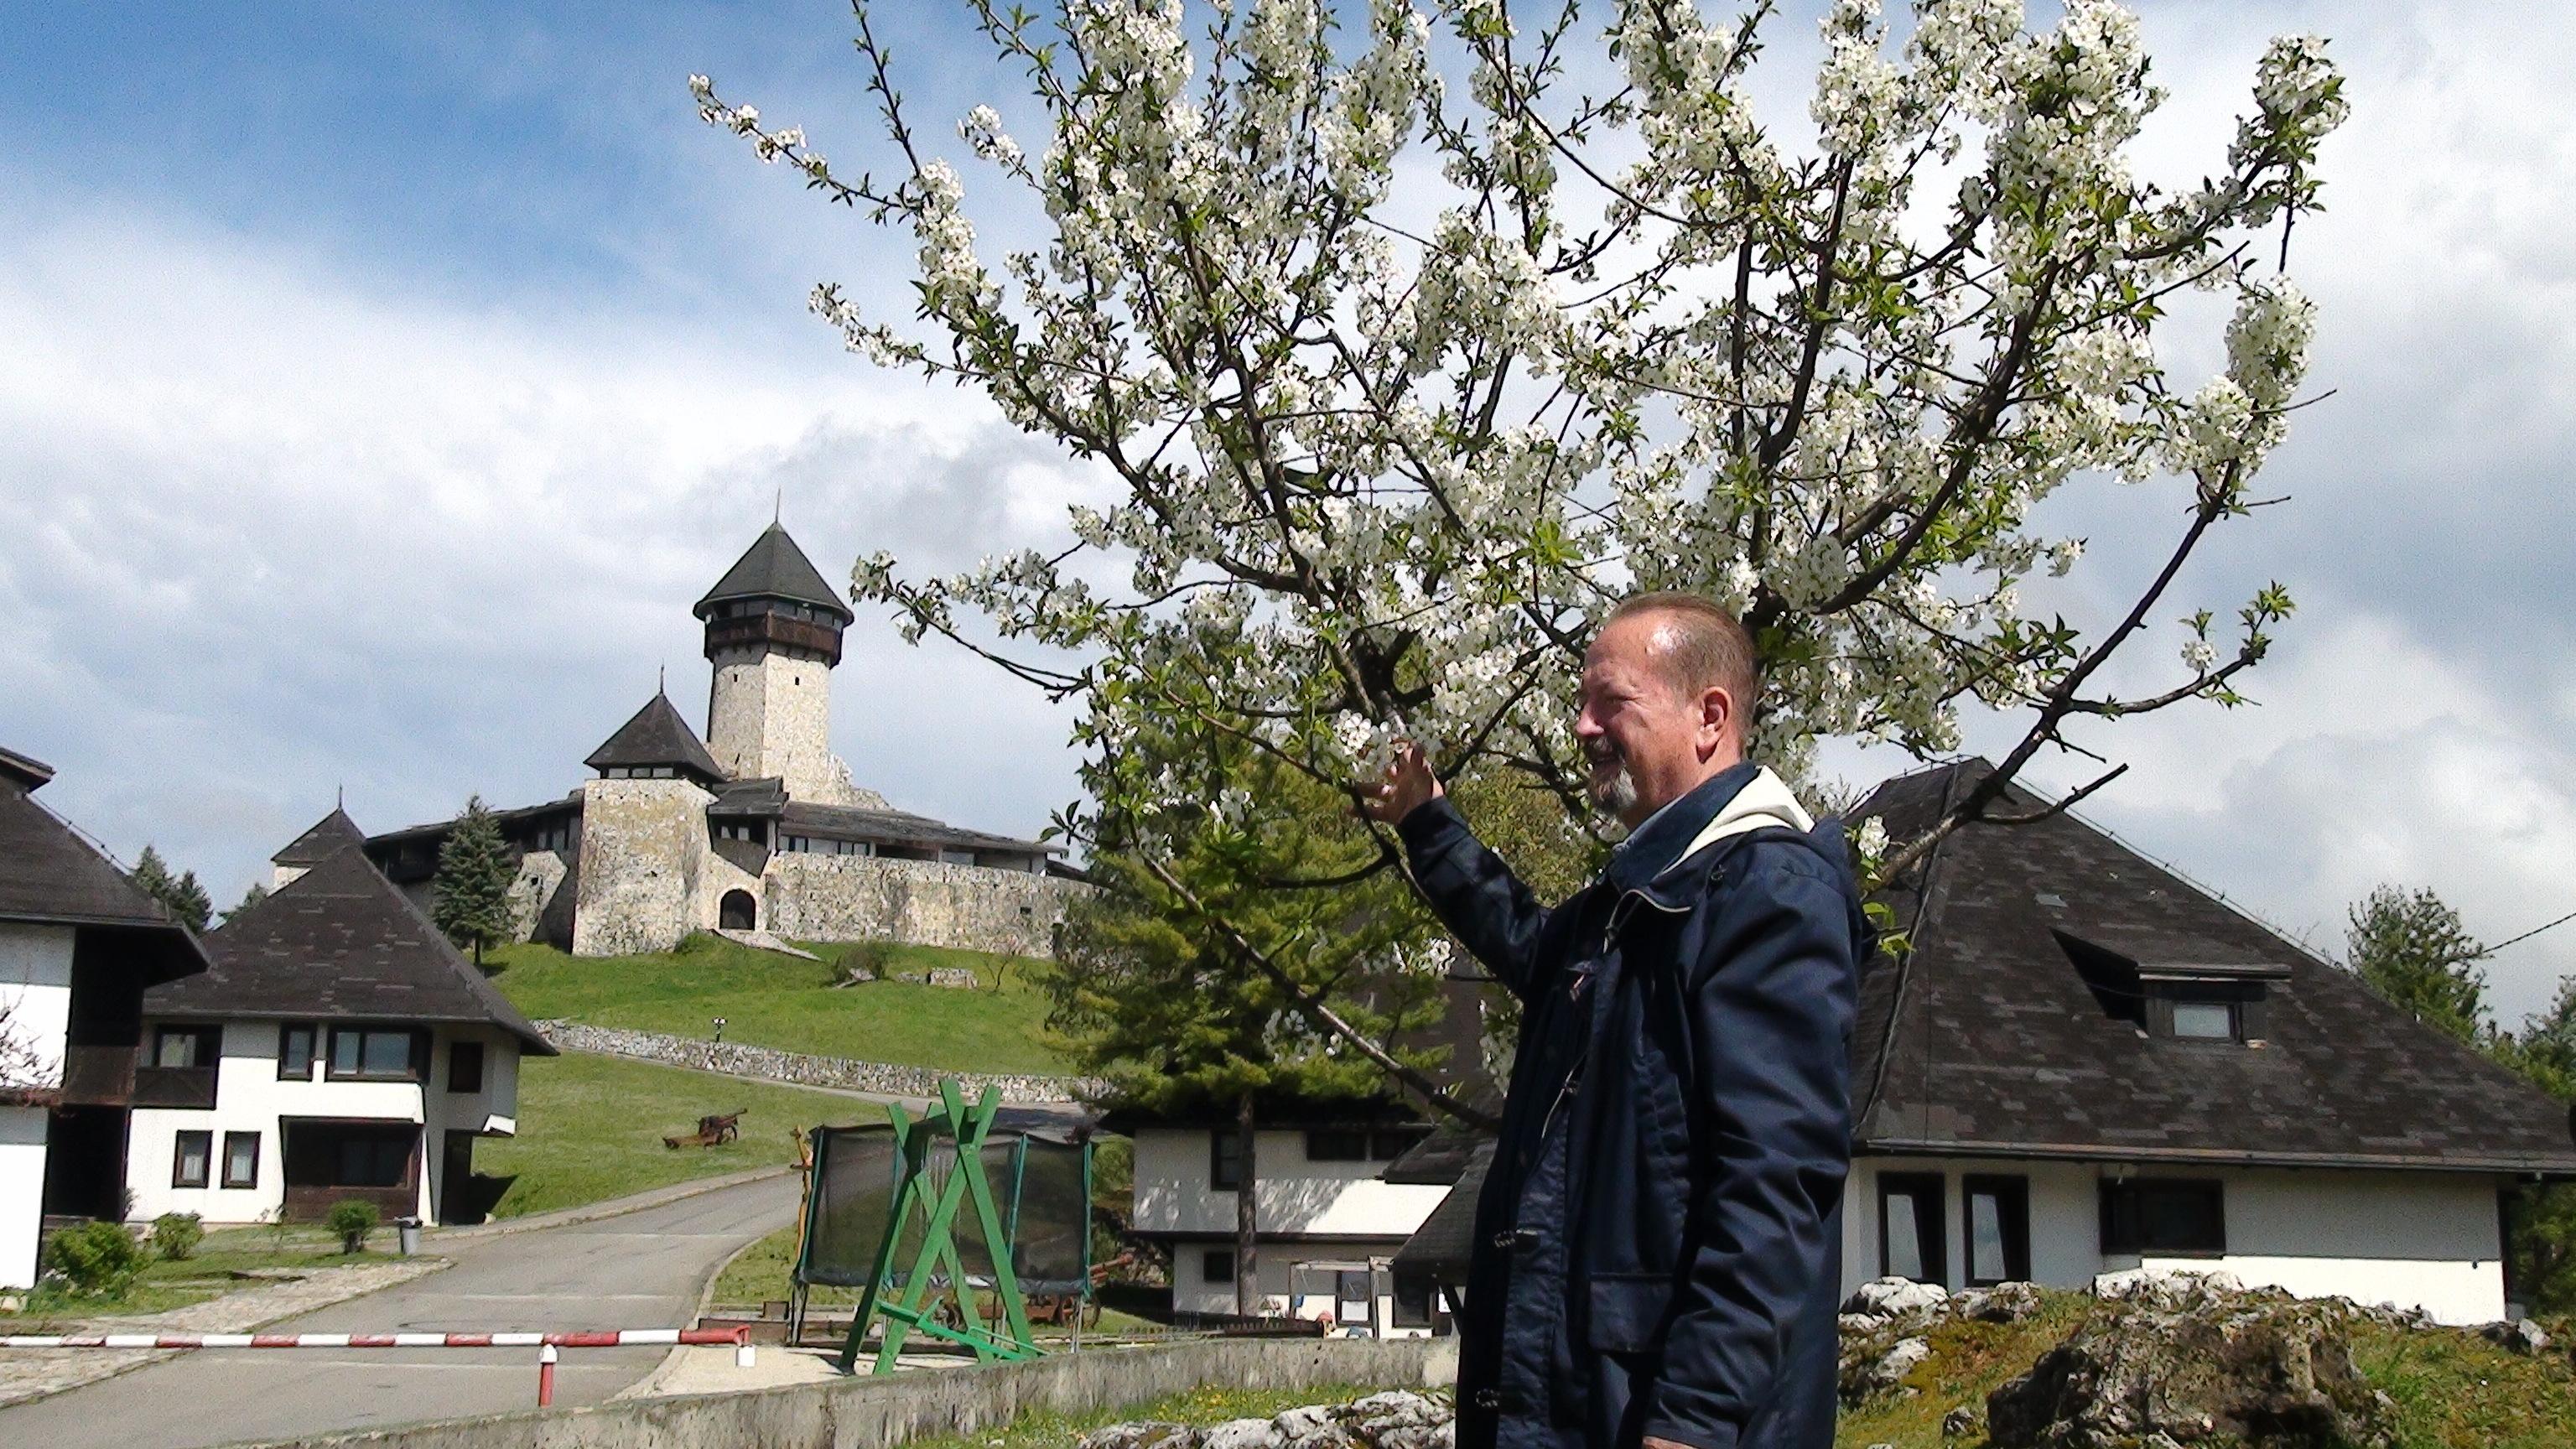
x=1039, y=1191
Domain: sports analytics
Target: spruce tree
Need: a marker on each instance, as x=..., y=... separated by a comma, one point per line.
x=250, y=898
x=472, y=887
x=1155, y=998
x=2414, y=950
x=180, y=895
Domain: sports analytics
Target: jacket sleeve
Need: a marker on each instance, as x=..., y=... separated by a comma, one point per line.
x=1771, y=1007
x=1475, y=895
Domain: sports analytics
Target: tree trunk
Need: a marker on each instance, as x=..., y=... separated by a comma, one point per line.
x=1247, y=1277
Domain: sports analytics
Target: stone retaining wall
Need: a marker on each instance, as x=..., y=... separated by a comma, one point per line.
x=866, y=1412
x=801, y=1069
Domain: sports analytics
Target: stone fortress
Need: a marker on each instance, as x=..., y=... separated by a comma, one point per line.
x=758, y=831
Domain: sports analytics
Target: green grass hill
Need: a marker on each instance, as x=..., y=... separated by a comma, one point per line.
x=772, y=1000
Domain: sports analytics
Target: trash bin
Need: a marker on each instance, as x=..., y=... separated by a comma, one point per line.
x=408, y=1231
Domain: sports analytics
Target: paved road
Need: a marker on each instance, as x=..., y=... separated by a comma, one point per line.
x=641, y=1270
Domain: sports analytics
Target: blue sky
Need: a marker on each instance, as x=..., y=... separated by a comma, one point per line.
x=384, y=383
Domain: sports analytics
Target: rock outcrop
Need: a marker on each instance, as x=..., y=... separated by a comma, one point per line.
x=2180, y=1360
x=1394, y=1420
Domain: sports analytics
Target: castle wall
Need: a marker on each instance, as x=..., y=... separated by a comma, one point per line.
x=644, y=857
x=814, y=897
x=770, y=714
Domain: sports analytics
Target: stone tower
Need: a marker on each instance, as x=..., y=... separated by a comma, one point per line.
x=773, y=635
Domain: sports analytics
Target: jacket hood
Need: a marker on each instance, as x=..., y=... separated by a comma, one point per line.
x=1763, y=803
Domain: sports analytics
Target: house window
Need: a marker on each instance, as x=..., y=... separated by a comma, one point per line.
x=1337, y=1144
x=186, y=1046
x=2163, y=1215
x=241, y=1159
x=1225, y=1160
x=1912, y=1237
x=386, y=1054
x=1412, y=1307
x=295, y=1051
x=375, y=1160
x=1389, y=1143
x=1998, y=1229
x=1216, y=1265
x=465, y=1066
x=2205, y=1020
x=188, y=1163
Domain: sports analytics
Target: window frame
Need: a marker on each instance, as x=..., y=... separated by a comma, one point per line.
x=1209, y=1258
x=251, y=1180
x=458, y=1053
x=286, y=1031
x=205, y=1140
x=416, y=1070
x=208, y=1045
x=2123, y=1225
x=2011, y=1192
x=1931, y=1227
x=1219, y=1179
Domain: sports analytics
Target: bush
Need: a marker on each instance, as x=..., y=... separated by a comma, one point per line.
x=176, y=1235
x=866, y=961
x=353, y=1221
x=96, y=1257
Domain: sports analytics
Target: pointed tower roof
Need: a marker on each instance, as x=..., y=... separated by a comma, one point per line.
x=774, y=568
x=657, y=736
x=327, y=838
x=341, y=943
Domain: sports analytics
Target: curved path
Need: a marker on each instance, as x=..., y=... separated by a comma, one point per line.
x=643, y=1269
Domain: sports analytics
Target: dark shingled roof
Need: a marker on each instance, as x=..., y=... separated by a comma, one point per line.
x=24, y=771
x=1985, y=1039
x=656, y=735
x=774, y=568
x=340, y=943
x=51, y=874
x=329, y=836
x=1440, y=1248
x=846, y=822
x=763, y=795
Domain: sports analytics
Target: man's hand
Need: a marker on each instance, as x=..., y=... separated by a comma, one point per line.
x=1408, y=782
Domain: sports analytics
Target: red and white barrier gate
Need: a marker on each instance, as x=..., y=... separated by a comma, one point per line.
x=546, y=1344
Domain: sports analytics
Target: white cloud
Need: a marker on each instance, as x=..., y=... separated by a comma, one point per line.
x=272, y=529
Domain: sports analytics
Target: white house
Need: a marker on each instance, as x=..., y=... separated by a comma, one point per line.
x=1325, y=1222
x=78, y=945
x=337, y=1048
x=2086, y=1065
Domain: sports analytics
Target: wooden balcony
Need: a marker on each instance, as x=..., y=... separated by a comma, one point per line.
x=185, y=1087
x=98, y=1076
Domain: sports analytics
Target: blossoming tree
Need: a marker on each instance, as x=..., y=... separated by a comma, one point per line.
x=1400, y=382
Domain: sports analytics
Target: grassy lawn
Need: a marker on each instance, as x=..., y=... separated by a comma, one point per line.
x=778, y=1001
x=205, y=1273
x=591, y=1127
x=1048, y=1429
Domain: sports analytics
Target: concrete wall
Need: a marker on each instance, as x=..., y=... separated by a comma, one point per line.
x=643, y=849
x=251, y=1097
x=35, y=1006
x=770, y=1064
x=1290, y=1194
x=816, y=897
x=871, y=1412
x=2414, y=1239
x=22, y=1193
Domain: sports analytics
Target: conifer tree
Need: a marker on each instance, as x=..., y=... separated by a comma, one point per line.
x=472, y=886
x=2414, y=950
x=180, y=895
x=250, y=898
x=1151, y=993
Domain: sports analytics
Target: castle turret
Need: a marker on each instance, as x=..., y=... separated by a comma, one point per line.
x=773, y=635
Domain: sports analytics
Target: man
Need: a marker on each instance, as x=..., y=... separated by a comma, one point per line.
x=1657, y=1247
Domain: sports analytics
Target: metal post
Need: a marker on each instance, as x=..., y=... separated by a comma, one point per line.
x=546, y=1376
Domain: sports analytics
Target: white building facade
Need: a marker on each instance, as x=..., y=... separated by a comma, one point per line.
x=35, y=1010
x=299, y=1115
x=1326, y=1224
x=2425, y=1240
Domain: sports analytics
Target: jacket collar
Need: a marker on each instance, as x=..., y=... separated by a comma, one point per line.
x=1736, y=801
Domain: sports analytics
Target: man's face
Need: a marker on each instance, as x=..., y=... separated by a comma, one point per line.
x=1646, y=741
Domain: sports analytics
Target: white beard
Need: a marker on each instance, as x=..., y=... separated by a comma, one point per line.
x=1616, y=796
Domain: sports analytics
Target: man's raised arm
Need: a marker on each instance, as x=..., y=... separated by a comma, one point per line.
x=1474, y=893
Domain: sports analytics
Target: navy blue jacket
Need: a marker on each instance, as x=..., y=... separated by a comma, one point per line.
x=1658, y=1246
